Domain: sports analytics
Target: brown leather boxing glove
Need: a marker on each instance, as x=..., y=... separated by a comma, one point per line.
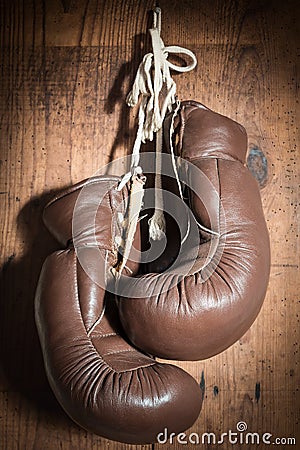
x=196, y=312
x=101, y=381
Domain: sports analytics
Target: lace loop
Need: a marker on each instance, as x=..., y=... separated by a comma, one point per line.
x=152, y=111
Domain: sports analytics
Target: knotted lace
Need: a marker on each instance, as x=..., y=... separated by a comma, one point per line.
x=155, y=89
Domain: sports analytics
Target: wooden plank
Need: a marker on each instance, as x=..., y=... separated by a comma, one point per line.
x=66, y=67
x=36, y=421
x=258, y=377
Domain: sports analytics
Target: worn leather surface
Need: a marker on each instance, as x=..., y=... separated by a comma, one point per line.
x=102, y=382
x=215, y=303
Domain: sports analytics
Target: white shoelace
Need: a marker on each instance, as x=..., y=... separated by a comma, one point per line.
x=147, y=88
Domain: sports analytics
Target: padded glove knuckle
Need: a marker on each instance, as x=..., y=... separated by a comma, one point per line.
x=212, y=305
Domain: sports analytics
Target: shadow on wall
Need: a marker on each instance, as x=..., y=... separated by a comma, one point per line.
x=22, y=367
x=121, y=87
x=117, y=95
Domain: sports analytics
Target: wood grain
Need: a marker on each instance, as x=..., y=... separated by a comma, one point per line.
x=66, y=67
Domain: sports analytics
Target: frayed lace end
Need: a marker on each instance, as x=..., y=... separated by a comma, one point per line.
x=157, y=226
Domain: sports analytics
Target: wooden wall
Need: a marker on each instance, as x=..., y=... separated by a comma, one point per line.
x=66, y=66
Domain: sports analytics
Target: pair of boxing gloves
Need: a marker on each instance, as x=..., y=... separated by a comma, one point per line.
x=100, y=337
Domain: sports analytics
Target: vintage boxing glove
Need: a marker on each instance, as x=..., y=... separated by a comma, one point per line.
x=195, y=313
x=101, y=381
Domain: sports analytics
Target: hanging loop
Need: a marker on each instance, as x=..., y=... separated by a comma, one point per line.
x=177, y=50
x=153, y=78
